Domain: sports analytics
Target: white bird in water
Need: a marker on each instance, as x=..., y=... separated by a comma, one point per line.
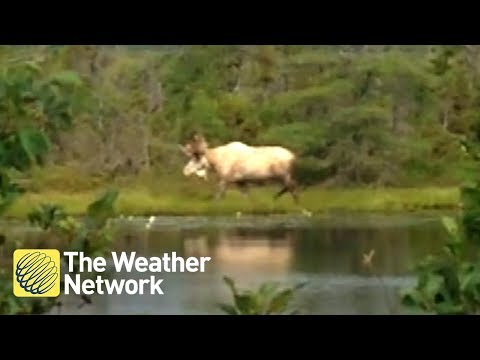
x=306, y=212
x=151, y=219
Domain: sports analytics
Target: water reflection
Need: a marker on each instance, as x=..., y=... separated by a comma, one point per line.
x=327, y=254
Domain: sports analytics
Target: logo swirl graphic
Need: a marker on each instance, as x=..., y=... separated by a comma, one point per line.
x=36, y=273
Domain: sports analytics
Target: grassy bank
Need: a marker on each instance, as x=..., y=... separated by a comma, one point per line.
x=154, y=201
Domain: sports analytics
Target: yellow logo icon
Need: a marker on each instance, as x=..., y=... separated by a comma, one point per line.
x=36, y=273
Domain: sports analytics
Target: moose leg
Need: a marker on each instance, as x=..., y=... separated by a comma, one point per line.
x=292, y=187
x=243, y=187
x=282, y=191
x=288, y=186
x=285, y=181
x=222, y=187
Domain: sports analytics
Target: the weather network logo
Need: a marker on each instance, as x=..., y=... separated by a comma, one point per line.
x=36, y=273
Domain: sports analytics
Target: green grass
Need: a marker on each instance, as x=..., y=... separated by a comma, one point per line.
x=194, y=198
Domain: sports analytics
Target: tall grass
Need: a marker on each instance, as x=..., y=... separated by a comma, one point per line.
x=171, y=195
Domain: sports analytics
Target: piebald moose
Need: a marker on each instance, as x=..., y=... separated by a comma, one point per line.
x=241, y=164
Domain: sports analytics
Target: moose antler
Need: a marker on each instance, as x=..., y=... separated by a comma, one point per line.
x=199, y=144
x=187, y=149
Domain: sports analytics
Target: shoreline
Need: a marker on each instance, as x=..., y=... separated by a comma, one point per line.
x=313, y=201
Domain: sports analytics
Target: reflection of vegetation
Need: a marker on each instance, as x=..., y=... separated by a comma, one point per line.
x=268, y=299
x=369, y=264
x=92, y=235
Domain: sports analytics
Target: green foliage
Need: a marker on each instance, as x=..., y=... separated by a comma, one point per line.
x=46, y=216
x=268, y=299
x=35, y=144
x=92, y=235
x=336, y=91
x=29, y=97
x=303, y=138
x=360, y=112
x=9, y=191
x=471, y=218
x=12, y=305
x=34, y=107
x=67, y=78
x=23, y=149
x=449, y=282
x=203, y=116
x=371, y=115
x=102, y=209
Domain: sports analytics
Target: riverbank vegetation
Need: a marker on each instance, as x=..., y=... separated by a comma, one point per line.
x=374, y=128
x=93, y=236
x=357, y=116
x=449, y=281
x=176, y=199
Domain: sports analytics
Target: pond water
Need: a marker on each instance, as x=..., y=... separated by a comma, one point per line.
x=325, y=252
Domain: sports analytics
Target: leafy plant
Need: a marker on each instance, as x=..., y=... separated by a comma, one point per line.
x=471, y=218
x=35, y=105
x=46, y=216
x=101, y=209
x=9, y=191
x=91, y=236
x=10, y=304
x=448, y=283
x=268, y=299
